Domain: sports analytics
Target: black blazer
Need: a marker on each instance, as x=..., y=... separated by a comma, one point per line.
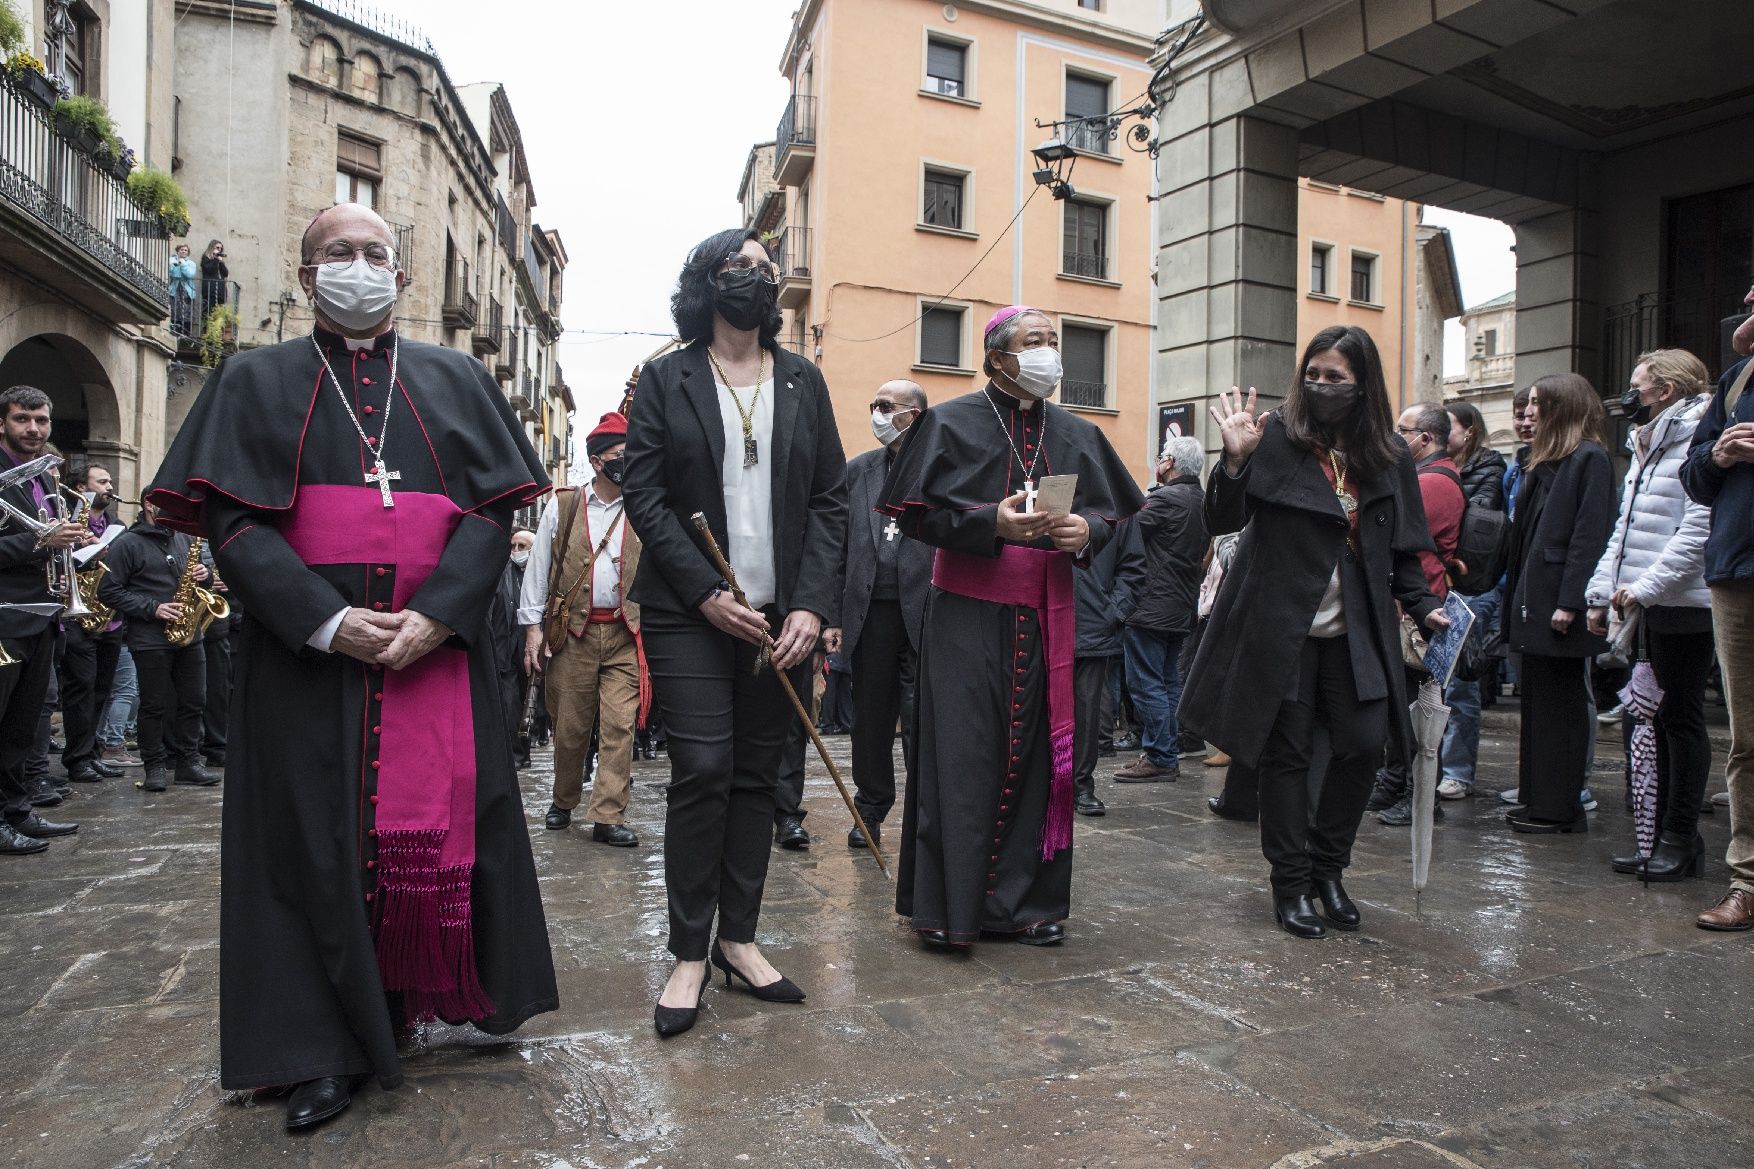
x=23, y=571
x=1565, y=513
x=675, y=449
x=913, y=569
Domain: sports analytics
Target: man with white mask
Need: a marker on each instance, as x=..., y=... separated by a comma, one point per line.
x=987, y=828
x=884, y=581
x=357, y=491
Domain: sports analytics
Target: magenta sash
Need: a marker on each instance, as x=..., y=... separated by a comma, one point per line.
x=1041, y=580
x=421, y=748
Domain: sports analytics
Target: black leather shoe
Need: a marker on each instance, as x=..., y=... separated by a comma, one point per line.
x=215, y=761
x=1049, y=933
x=37, y=828
x=195, y=775
x=557, y=817
x=1297, y=917
x=1676, y=858
x=155, y=780
x=783, y=991
x=1216, y=805
x=1087, y=804
x=856, y=839
x=1523, y=822
x=939, y=940
x=15, y=843
x=44, y=794
x=315, y=1101
x=85, y=773
x=789, y=833
x=1336, y=906
x=1383, y=795
x=107, y=770
x=619, y=835
x=671, y=1021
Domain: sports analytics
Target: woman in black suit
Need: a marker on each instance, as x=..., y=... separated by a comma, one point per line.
x=1332, y=522
x=1565, y=512
x=740, y=430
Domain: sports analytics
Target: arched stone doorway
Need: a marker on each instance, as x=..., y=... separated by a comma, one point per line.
x=86, y=412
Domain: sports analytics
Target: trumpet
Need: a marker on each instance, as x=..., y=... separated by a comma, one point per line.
x=60, y=572
x=97, y=614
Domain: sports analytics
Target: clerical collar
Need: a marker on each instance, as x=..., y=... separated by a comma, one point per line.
x=335, y=342
x=1001, y=398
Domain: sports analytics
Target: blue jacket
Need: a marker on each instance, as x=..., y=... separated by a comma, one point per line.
x=1729, y=550
x=182, y=280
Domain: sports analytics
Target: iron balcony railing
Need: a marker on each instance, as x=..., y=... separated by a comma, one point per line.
x=1074, y=392
x=460, y=304
x=382, y=23
x=1091, y=265
x=797, y=127
x=1091, y=135
x=85, y=204
x=190, y=310
x=791, y=253
x=507, y=227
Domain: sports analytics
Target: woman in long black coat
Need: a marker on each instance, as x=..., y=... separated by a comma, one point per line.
x=1304, y=635
x=1564, y=515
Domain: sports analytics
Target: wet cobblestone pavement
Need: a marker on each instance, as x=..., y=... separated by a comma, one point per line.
x=1542, y=1012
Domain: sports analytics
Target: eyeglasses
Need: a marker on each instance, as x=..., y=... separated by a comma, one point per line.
x=888, y=408
x=741, y=265
x=340, y=253
x=1409, y=431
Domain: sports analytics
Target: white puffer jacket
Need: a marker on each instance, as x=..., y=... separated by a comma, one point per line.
x=1657, y=550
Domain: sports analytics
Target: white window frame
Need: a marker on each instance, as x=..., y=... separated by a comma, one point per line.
x=1110, y=331
x=1333, y=251
x=922, y=303
x=967, y=174
x=1110, y=234
x=1376, y=289
x=970, y=95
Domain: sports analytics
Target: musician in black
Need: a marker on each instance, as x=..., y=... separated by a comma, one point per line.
x=89, y=656
x=27, y=638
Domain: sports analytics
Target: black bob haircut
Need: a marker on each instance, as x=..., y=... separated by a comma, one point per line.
x=691, y=305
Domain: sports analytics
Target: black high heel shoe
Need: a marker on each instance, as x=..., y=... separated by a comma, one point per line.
x=783, y=991
x=1675, y=859
x=675, y=1020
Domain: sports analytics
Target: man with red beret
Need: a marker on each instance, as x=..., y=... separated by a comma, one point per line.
x=583, y=632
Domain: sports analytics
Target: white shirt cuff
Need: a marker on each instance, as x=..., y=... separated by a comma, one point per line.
x=324, y=637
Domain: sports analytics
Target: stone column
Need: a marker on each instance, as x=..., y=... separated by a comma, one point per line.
x=1227, y=254
x=1558, y=318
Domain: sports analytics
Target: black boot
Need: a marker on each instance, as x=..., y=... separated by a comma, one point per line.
x=1385, y=793
x=1676, y=858
x=1297, y=916
x=192, y=774
x=1336, y=906
x=315, y=1101
x=1085, y=802
x=154, y=781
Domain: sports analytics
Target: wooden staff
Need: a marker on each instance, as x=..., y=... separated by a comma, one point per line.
x=724, y=566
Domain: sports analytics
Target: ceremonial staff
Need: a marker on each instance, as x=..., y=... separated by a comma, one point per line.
x=724, y=566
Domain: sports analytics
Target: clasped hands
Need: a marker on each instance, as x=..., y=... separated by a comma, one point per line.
x=1070, y=533
x=395, y=640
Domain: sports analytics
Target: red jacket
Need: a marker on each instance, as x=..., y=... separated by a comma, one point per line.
x=1444, y=505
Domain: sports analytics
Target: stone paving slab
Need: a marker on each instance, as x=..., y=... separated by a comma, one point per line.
x=1530, y=1011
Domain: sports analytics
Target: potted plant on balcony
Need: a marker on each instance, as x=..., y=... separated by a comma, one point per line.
x=219, y=335
x=32, y=78
x=85, y=122
x=162, y=195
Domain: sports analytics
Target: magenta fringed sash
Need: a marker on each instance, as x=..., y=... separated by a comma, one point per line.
x=420, y=744
x=1041, y=580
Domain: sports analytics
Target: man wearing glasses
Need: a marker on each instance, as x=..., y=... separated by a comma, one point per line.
x=357, y=491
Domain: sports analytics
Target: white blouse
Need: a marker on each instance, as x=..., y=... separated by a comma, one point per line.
x=749, y=492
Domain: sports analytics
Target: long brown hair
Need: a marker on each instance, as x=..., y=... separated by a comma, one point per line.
x=1474, y=425
x=1368, y=434
x=1568, y=411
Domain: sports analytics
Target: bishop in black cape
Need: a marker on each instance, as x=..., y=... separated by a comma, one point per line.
x=268, y=459
x=973, y=820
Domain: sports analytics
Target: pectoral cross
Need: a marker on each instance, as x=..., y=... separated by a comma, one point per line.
x=381, y=475
x=891, y=532
x=1029, y=494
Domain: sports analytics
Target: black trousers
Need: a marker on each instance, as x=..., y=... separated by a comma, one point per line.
x=88, y=674
x=173, y=691
x=1682, y=662
x=22, y=690
x=788, y=795
x=216, y=711
x=726, y=728
x=1304, y=845
x=884, y=668
x=1089, y=689
x=1554, y=763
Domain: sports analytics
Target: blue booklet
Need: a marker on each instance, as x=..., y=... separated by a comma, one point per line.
x=1446, y=644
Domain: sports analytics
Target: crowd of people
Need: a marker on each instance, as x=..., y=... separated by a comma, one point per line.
x=337, y=518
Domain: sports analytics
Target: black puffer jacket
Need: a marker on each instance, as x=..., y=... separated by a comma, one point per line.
x=1173, y=528
x=1483, y=480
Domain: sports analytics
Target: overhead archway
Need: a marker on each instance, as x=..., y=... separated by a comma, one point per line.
x=83, y=403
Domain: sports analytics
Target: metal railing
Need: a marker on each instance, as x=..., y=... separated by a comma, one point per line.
x=791, y=253
x=1091, y=265
x=1074, y=392
x=797, y=127
x=382, y=23
x=1092, y=136
x=460, y=305
x=83, y=203
x=490, y=327
x=507, y=228
x=1687, y=318
x=189, y=312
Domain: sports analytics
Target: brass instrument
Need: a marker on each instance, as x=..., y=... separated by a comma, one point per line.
x=97, y=615
x=201, y=608
x=60, y=569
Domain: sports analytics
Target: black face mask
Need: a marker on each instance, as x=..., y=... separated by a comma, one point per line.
x=744, y=300
x=1632, y=409
x=615, y=469
x=1329, y=402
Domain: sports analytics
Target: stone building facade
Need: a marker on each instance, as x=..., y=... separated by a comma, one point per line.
x=352, y=105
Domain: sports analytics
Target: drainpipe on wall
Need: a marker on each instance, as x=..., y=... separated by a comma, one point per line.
x=1409, y=301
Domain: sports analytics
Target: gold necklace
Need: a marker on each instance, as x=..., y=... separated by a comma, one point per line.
x=751, y=453
x=1348, y=501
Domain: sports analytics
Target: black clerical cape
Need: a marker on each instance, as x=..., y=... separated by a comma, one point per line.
x=974, y=819
x=313, y=932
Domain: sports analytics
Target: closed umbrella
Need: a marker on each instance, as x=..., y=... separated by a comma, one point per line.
x=1641, y=697
x=1430, y=717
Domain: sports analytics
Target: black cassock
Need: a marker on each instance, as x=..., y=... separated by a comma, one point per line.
x=301, y=994
x=971, y=853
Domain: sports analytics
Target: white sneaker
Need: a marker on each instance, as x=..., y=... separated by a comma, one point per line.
x=1611, y=715
x=1452, y=789
x=1589, y=801
x=1721, y=799
x=1509, y=797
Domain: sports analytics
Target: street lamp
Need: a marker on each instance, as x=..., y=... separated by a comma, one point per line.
x=1056, y=160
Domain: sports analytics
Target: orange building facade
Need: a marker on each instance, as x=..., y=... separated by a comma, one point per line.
x=901, y=164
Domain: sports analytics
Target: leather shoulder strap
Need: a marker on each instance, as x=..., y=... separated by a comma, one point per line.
x=1736, y=388
x=565, y=520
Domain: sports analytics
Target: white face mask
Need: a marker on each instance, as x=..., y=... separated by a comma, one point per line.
x=521, y=558
x=357, y=297
x=883, y=426
x=1038, y=371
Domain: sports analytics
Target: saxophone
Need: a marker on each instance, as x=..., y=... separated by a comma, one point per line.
x=201, y=608
x=86, y=580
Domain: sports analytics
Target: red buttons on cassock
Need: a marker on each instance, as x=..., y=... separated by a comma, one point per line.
x=366, y=381
x=371, y=864
x=378, y=697
x=368, y=898
x=374, y=832
x=372, y=441
x=377, y=604
x=367, y=409
x=381, y=571
x=378, y=730
x=374, y=799
x=376, y=764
